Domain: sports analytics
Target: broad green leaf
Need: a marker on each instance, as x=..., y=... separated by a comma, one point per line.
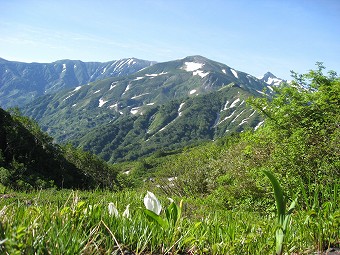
x=154, y=217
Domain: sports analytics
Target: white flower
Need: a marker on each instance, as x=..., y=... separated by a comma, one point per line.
x=113, y=210
x=151, y=203
x=126, y=213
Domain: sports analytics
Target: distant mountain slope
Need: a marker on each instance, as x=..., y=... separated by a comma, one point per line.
x=191, y=99
x=21, y=83
x=172, y=125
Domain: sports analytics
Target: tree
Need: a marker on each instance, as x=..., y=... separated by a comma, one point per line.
x=303, y=119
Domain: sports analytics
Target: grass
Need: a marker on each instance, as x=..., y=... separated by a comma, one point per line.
x=74, y=222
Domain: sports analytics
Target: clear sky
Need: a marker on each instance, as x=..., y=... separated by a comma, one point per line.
x=253, y=36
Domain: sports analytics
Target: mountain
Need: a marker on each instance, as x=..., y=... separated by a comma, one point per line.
x=166, y=105
x=21, y=83
x=271, y=79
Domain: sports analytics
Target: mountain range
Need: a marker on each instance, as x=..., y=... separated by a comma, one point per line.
x=21, y=83
x=163, y=106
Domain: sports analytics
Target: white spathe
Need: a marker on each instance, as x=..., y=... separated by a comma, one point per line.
x=112, y=209
x=151, y=203
x=126, y=212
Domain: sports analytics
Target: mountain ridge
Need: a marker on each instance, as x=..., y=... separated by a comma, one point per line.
x=110, y=115
x=22, y=82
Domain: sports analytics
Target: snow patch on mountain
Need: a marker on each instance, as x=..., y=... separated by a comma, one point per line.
x=259, y=125
x=234, y=73
x=126, y=89
x=102, y=102
x=155, y=74
x=233, y=104
x=104, y=70
x=200, y=73
x=139, y=78
x=67, y=97
x=113, y=84
x=114, y=106
x=261, y=92
x=225, y=106
x=134, y=110
x=140, y=95
x=192, y=91
x=228, y=117
x=246, y=119
x=131, y=61
x=243, y=122
x=238, y=115
x=269, y=87
x=192, y=66
x=77, y=88
x=180, y=108
x=273, y=81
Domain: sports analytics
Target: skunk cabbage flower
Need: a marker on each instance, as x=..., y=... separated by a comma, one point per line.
x=151, y=203
x=126, y=213
x=113, y=210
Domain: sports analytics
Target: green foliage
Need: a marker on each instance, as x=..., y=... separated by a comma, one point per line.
x=283, y=218
x=30, y=160
x=300, y=149
x=303, y=121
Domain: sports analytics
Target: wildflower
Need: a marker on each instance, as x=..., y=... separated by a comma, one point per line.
x=126, y=213
x=151, y=203
x=113, y=210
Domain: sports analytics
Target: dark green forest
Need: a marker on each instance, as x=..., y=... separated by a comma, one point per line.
x=30, y=160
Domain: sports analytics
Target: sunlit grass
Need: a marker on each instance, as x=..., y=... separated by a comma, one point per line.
x=73, y=222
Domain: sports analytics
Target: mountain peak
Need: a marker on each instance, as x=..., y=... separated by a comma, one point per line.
x=195, y=58
x=271, y=79
x=269, y=74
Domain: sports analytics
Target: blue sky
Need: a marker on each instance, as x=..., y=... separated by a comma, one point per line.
x=253, y=36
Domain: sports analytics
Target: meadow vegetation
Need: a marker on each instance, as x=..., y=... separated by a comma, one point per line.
x=229, y=196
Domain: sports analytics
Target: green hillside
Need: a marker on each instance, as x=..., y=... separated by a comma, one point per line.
x=167, y=105
x=29, y=159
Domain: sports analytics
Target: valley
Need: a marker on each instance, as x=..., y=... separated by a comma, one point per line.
x=117, y=117
x=188, y=157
